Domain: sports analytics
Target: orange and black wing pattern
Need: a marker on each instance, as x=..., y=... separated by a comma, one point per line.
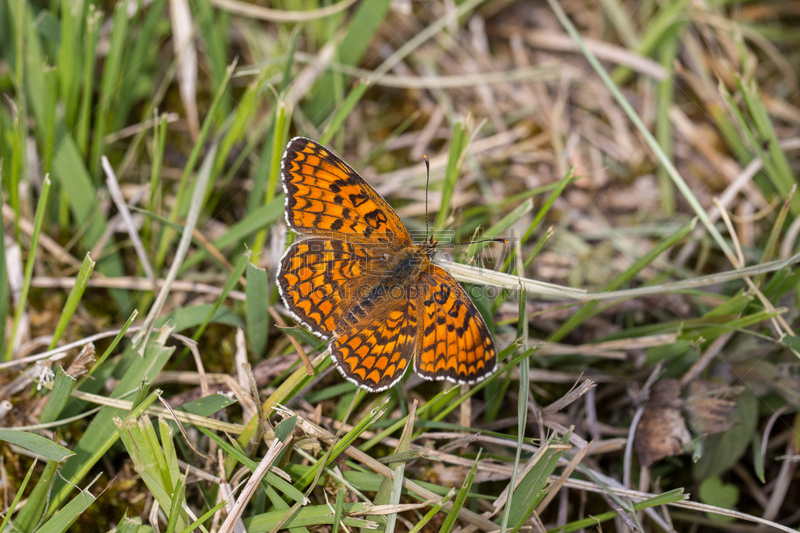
x=454, y=343
x=352, y=281
x=325, y=197
x=374, y=345
x=319, y=279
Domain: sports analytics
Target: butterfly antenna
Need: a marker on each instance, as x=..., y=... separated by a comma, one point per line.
x=427, y=184
x=499, y=239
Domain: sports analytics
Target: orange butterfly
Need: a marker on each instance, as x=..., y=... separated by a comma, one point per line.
x=360, y=281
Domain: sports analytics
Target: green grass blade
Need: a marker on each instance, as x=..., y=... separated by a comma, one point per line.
x=205, y=517
x=430, y=514
x=4, y=292
x=137, y=65
x=38, y=222
x=31, y=513
x=271, y=479
x=71, y=305
x=257, y=308
x=130, y=524
x=69, y=514
x=662, y=499
x=47, y=129
x=242, y=118
x=665, y=100
x=450, y=397
x=775, y=232
x=214, y=29
x=458, y=147
x=619, y=18
x=452, y=516
x=159, y=144
x=312, y=515
x=338, y=508
x=69, y=57
x=18, y=21
x=522, y=403
x=542, y=212
x=760, y=130
x=36, y=62
x=109, y=85
x=280, y=132
x=195, y=315
x=75, y=182
x=389, y=492
x=659, y=28
x=339, y=447
x=538, y=248
x=344, y=110
x=531, y=488
x=37, y=444
x=18, y=496
x=261, y=170
x=254, y=221
x=93, y=19
x=62, y=388
x=114, y=343
x=155, y=460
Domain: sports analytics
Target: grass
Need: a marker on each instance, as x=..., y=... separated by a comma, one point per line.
x=641, y=159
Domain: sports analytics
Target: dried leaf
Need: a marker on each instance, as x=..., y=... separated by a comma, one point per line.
x=662, y=431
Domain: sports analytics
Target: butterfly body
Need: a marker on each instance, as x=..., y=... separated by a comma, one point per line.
x=359, y=280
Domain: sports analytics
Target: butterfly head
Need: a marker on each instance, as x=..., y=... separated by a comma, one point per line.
x=428, y=247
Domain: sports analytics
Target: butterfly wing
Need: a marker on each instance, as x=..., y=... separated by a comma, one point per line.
x=454, y=343
x=376, y=340
x=325, y=197
x=319, y=279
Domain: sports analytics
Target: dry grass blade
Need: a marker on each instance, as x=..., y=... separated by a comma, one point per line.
x=235, y=513
x=186, y=53
x=138, y=284
x=122, y=207
x=277, y=15
x=551, y=40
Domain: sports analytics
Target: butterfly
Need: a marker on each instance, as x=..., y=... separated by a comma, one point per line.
x=359, y=280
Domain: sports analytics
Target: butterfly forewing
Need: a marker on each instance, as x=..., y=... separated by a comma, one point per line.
x=324, y=196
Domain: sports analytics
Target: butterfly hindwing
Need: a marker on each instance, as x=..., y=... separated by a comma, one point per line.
x=375, y=350
x=455, y=343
